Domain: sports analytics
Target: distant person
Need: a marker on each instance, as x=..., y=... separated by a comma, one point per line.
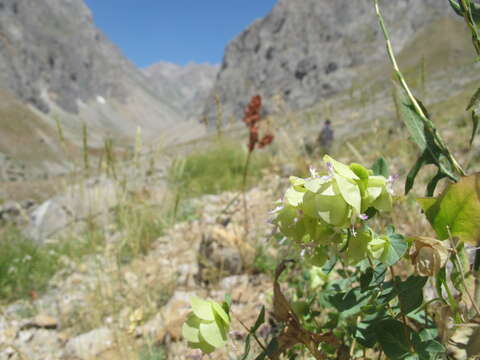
x=325, y=138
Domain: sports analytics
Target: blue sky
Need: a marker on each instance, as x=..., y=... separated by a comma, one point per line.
x=177, y=31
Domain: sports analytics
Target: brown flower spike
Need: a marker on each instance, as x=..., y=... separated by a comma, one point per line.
x=251, y=119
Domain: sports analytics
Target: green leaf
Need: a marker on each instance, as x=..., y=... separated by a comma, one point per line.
x=350, y=303
x=427, y=349
x=221, y=313
x=190, y=329
x=213, y=334
x=350, y=192
x=457, y=209
x=371, y=278
x=474, y=100
x=359, y=170
x=411, y=293
x=456, y=7
x=271, y=348
x=475, y=121
x=293, y=197
x=397, y=246
x=424, y=134
x=412, y=174
x=410, y=117
x=380, y=167
x=260, y=320
x=391, y=336
x=202, y=309
x=341, y=168
x=328, y=205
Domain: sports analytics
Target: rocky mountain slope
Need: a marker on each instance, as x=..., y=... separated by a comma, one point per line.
x=307, y=50
x=186, y=87
x=56, y=65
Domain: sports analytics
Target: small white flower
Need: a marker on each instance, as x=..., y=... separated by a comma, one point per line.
x=354, y=232
x=276, y=210
x=313, y=172
x=390, y=181
x=329, y=168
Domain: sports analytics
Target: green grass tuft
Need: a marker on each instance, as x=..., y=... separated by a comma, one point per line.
x=216, y=169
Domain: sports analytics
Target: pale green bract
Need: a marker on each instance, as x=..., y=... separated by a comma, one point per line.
x=206, y=326
x=322, y=209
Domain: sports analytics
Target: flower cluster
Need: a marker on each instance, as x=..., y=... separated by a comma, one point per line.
x=320, y=212
x=251, y=120
x=207, y=326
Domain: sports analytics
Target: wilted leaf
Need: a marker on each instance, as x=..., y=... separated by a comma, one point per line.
x=293, y=333
x=428, y=255
x=457, y=209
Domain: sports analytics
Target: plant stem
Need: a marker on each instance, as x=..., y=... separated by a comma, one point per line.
x=244, y=189
x=476, y=274
x=404, y=318
x=418, y=109
x=462, y=273
x=253, y=334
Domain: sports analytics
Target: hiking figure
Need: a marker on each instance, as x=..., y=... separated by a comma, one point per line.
x=325, y=138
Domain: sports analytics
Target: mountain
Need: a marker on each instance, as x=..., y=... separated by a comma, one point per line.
x=306, y=50
x=186, y=87
x=55, y=65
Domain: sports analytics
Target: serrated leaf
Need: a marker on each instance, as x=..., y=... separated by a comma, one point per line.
x=457, y=209
x=380, y=167
x=202, y=309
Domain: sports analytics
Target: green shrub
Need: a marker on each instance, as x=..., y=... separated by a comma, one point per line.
x=26, y=267
x=216, y=169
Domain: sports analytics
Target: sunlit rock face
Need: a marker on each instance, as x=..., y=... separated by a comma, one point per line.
x=306, y=50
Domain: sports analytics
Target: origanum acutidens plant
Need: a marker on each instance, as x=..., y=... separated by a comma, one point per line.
x=357, y=307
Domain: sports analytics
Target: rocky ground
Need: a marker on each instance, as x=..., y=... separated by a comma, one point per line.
x=100, y=308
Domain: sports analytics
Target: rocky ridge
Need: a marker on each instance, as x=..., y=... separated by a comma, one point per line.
x=56, y=65
x=308, y=50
